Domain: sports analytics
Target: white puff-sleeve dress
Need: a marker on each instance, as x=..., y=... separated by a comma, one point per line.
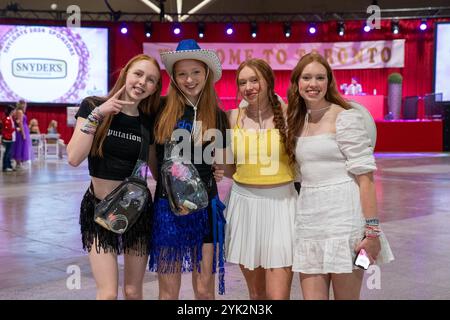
x=329, y=221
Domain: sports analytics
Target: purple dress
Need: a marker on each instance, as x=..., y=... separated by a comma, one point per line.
x=22, y=150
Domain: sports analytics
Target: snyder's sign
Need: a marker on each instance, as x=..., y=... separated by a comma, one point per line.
x=36, y=68
x=42, y=64
x=284, y=56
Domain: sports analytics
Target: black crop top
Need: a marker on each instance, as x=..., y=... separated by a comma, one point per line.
x=204, y=169
x=121, y=146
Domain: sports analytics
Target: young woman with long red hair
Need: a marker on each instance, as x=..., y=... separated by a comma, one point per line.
x=194, y=242
x=108, y=133
x=261, y=208
x=337, y=212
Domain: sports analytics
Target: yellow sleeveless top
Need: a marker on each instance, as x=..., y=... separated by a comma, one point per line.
x=260, y=157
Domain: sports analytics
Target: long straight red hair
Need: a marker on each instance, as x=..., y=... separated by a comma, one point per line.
x=147, y=106
x=208, y=107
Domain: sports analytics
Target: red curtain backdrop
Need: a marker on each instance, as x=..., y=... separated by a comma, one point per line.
x=417, y=73
x=419, y=50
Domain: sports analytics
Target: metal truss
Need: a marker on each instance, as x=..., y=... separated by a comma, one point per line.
x=406, y=13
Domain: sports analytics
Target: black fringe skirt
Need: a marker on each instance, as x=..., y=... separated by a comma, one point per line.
x=135, y=241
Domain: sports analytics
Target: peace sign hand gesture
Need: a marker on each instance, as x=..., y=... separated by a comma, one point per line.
x=114, y=105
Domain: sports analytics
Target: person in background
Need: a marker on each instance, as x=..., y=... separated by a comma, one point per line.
x=8, y=137
x=53, y=129
x=22, y=149
x=34, y=126
x=354, y=88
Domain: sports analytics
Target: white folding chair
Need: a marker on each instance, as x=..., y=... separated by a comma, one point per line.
x=37, y=142
x=51, y=146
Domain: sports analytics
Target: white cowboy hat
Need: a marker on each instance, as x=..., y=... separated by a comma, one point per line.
x=189, y=49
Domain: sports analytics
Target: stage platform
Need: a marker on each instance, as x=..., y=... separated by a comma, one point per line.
x=409, y=136
x=375, y=104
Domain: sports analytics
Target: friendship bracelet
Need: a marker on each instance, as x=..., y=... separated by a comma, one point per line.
x=373, y=221
x=96, y=116
x=372, y=231
x=92, y=121
x=372, y=236
x=89, y=128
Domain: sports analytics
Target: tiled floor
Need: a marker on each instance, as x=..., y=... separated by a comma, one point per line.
x=40, y=242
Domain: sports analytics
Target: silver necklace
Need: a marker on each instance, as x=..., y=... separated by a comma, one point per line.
x=317, y=110
x=307, y=116
x=261, y=122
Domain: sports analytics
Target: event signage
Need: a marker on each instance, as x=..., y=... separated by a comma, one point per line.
x=284, y=56
x=47, y=64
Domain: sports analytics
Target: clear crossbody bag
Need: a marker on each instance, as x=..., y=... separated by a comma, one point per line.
x=185, y=189
x=122, y=207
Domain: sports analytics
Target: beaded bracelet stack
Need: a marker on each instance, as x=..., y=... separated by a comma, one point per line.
x=92, y=122
x=372, y=228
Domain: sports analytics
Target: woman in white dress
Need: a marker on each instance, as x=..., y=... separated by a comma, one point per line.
x=336, y=209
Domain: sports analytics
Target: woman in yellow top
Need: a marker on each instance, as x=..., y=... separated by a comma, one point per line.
x=261, y=208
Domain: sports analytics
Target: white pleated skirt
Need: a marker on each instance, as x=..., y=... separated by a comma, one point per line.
x=260, y=226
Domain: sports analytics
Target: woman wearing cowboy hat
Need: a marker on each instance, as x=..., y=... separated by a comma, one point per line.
x=189, y=243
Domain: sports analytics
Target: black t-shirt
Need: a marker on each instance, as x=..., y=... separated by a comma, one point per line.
x=204, y=169
x=122, y=144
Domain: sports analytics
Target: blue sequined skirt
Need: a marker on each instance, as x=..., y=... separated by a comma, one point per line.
x=176, y=243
